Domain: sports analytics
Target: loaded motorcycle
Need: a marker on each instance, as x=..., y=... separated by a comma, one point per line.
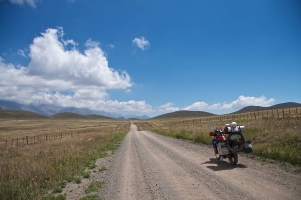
x=228, y=142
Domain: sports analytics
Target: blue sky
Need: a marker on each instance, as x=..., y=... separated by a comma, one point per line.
x=151, y=57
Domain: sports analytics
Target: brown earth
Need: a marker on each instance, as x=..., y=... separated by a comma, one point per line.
x=151, y=166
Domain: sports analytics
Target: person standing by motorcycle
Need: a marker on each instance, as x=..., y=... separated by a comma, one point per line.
x=214, y=145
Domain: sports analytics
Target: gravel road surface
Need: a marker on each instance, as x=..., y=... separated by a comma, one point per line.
x=151, y=166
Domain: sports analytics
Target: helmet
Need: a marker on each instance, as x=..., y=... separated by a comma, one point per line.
x=233, y=124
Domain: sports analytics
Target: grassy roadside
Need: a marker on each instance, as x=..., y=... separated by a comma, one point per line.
x=185, y=134
x=277, y=139
x=48, y=167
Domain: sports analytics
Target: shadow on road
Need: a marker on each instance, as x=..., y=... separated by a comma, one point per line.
x=223, y=165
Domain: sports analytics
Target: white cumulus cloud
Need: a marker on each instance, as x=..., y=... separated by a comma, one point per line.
x=127, y=91
x=51, y=60
x=241, y=102
x=129, y=106
x=197, y=106
x=168, y=107
x=91, y=44
x=141, y=43
x=21, y=2
x=66, y=77
x=22, y=53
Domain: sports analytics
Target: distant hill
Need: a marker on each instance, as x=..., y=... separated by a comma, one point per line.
x=20, y=114
x=132, y=119
x=184, y=113
x=80, y=111
x=51, y=110
x=11, y=109
x=285, y=105
x=277, y=106
x=10, y=105
x=97, y=117
x=68, y=115
x=136, y=117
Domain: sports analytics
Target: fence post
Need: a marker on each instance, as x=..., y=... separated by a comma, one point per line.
x=255, y=115
x=12, y=142
x=27, y=140
x=46, y=137
x=6, y=144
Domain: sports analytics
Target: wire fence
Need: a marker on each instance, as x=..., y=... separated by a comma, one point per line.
x=18, y=142
x=31, y=140
x=258, y=115
x=34, y=139
x=267, y=114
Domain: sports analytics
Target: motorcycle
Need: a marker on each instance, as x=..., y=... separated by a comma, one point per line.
x=229, y=141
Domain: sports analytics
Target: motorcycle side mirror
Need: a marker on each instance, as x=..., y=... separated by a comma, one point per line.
x=211, y=128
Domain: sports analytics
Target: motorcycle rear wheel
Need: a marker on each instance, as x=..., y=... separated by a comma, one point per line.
x=233, y=158
x=241, y=145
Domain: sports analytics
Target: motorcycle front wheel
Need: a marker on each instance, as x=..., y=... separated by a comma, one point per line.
x=233, y=158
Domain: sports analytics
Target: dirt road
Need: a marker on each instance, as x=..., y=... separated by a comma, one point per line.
x=151, y=166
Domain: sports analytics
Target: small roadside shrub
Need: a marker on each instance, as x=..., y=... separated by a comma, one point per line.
x=77, y=180
x=102, y=169
x=86, y=174
x=94, y=186
x=52, y=197
x=102, y=154
x=90, y=197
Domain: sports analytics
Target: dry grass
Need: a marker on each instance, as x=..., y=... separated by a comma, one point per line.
x=19, y=128
x=274, y=138
x=38, y=130
x=42, y=167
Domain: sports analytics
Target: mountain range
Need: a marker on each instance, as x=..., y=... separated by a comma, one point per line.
x=49, y=110
x=187, y=113
x=277, y=106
